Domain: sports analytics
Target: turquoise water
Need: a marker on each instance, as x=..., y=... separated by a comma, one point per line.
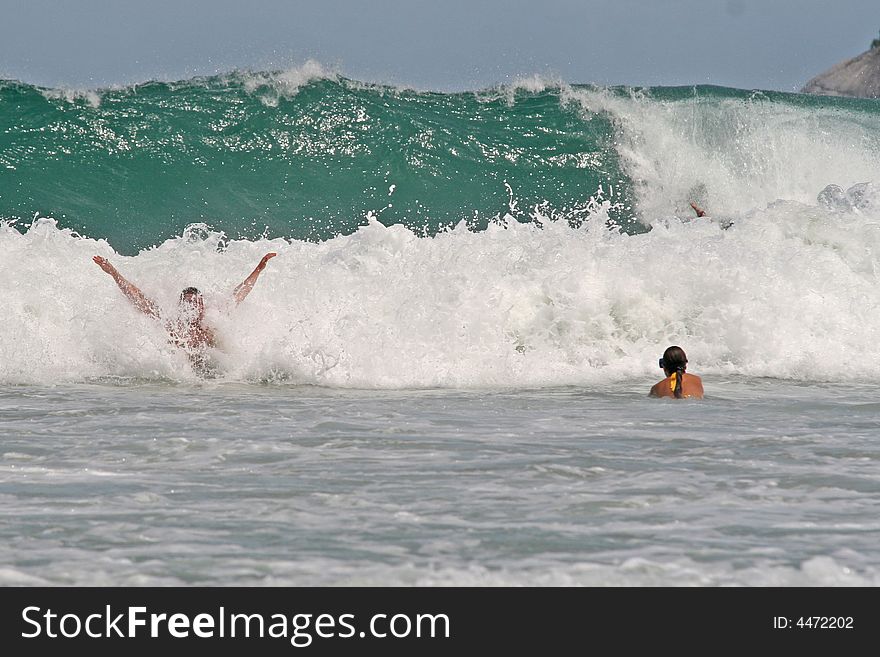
x=253, y=156
x=305, y=154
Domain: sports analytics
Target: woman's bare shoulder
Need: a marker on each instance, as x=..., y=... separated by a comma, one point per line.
x=660, y=389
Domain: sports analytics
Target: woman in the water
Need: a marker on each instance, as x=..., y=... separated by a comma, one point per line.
x=677, y=383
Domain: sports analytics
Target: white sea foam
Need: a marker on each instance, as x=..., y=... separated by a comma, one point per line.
x=270, y=87
x=88, y=96
x=535, y=83
x=819, y=571
x=734, y=155
x=790, y=290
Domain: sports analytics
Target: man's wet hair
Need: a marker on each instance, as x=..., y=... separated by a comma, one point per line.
x=189, y=292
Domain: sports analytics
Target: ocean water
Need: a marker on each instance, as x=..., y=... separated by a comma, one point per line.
x=442, y=378
x=762, y=484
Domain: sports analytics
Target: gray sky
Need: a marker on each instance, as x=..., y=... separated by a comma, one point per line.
x=437, y=44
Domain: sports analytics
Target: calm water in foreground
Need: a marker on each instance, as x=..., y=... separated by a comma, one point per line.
x=766, y=482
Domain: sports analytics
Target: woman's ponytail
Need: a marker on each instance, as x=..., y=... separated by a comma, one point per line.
x=675, y=362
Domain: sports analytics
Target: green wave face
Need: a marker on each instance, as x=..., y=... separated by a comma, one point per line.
x=135, y=166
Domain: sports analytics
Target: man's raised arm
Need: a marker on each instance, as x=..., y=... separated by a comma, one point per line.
x=245, y=287
x=134, y=295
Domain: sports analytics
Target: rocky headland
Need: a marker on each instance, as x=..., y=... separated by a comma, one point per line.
x=858, y=77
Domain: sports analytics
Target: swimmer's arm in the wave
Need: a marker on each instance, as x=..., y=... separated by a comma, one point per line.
x=129, y=289
x=244, y=288
x=700, y=211
x=724, y=223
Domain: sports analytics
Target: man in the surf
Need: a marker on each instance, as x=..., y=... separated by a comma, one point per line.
x=188, y=329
